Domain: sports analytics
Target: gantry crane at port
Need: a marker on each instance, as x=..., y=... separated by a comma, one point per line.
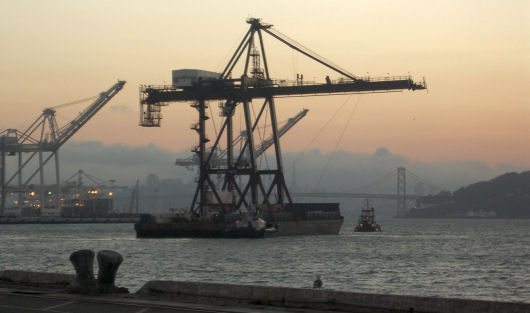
x=255, y=82
x=97, y=194
x=43, y=136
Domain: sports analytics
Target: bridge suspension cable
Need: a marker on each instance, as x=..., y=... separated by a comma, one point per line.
x=424, y=181
x=376, y=182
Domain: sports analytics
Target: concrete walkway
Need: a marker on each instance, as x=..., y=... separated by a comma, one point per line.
x=23, y=291
x=31, y=301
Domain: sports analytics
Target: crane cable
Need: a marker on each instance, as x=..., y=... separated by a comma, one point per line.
x=267, y=178
x=261, y=137
x=424, y=181
x=338, y=143
x=229, y=53
x=320, y=132
x=375, y=182
x=72, y=103
x=308, y=52
x=61, y=129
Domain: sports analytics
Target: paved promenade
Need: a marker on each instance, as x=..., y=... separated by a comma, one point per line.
x=23, y=291
x=32, y=301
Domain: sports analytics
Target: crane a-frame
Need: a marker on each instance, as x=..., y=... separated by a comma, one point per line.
x=254, y=83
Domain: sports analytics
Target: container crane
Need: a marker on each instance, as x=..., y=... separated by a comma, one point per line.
x=134, y=202
x=44, y=135
x=96, y=185
x=254, y=82
x=81, y=198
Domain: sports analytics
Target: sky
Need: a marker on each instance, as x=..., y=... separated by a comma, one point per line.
x=474, y=55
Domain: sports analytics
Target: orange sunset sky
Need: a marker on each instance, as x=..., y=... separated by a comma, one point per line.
x=474, y=55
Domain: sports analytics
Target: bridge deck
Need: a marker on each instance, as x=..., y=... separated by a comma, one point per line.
x=353, y=195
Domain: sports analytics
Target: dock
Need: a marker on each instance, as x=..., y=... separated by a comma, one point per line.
x=68, y=220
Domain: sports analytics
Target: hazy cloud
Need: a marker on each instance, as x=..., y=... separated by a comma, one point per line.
x=345, y=171
x=314, y=170
x=123, y=163
x=121, y=108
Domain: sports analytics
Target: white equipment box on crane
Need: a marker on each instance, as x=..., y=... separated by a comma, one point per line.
x=187, y=77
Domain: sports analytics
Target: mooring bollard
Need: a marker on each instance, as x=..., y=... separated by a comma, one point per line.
x=108, y=262
x=83, y=261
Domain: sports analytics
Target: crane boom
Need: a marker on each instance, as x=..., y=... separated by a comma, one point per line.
x=238, y=89
x=33, y=139
x=266, y=144
x=281, y=131
x=70, y=129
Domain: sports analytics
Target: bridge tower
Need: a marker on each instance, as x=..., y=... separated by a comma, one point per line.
x=401, y=192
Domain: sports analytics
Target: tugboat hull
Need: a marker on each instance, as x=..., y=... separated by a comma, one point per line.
x=367, y=228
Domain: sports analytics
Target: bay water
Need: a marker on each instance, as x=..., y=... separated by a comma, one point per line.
x=486, y=259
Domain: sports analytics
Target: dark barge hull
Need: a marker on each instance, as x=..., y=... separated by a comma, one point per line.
x=202, y=230
x=193, y=230
x=311, y=227
x=197, y=230
x=300, y=219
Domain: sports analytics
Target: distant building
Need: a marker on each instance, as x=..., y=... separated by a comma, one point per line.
x=152, y=181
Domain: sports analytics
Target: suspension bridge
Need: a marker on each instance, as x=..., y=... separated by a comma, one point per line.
x=401, y=196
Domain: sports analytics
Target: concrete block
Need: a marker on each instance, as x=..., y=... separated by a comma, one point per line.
x=37, y=278
x=328, y=299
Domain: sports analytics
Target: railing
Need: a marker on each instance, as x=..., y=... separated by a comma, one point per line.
x=286, y=82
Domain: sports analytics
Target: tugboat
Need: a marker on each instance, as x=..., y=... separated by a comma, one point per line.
x=367, y=221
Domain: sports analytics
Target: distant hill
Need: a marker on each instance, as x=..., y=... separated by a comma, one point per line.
x=506, y=196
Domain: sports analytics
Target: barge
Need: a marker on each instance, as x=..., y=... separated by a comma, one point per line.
x=294, y=219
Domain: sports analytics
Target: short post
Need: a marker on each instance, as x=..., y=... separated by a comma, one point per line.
x=83, y=261
x=108, y=262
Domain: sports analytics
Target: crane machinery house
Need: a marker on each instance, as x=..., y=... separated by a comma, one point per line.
x=187, y=77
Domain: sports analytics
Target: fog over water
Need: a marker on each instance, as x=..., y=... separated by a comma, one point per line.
x=346, y=170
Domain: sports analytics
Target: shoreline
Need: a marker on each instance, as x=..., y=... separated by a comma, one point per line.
x=68, y=220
